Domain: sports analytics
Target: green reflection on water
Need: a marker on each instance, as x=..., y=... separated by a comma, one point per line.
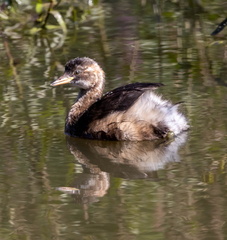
x=134, y=41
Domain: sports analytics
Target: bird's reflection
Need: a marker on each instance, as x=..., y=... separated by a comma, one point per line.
x=128, y=160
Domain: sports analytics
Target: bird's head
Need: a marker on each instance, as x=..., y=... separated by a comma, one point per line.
x=83, y=73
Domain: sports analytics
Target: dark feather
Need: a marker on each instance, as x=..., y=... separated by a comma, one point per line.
x=119, y=99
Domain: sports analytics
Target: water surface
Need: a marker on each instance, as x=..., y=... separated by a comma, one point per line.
x=54, y=187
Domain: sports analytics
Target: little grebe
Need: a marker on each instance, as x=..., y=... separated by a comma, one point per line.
x=132, y=112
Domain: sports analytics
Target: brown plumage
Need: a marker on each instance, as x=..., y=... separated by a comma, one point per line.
x=132, y=112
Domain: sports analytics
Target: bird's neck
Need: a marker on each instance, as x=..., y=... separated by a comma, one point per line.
x=85, y=99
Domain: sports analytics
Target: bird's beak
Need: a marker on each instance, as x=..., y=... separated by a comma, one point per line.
x=62, y=80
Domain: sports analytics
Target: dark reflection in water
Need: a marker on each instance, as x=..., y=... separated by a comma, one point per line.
x=130, y=160
x=126, y=190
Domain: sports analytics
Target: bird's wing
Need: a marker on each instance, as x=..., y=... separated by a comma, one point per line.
x=119, y=99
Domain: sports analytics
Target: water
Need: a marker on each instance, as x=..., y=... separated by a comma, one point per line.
x=53, y=187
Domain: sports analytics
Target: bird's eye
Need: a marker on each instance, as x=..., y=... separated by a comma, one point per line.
x=77, y=71
x=67, y=69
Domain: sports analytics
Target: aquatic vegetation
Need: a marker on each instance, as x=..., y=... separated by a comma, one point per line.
x=35, y=16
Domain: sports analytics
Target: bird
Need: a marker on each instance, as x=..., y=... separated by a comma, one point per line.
x=133, y=112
